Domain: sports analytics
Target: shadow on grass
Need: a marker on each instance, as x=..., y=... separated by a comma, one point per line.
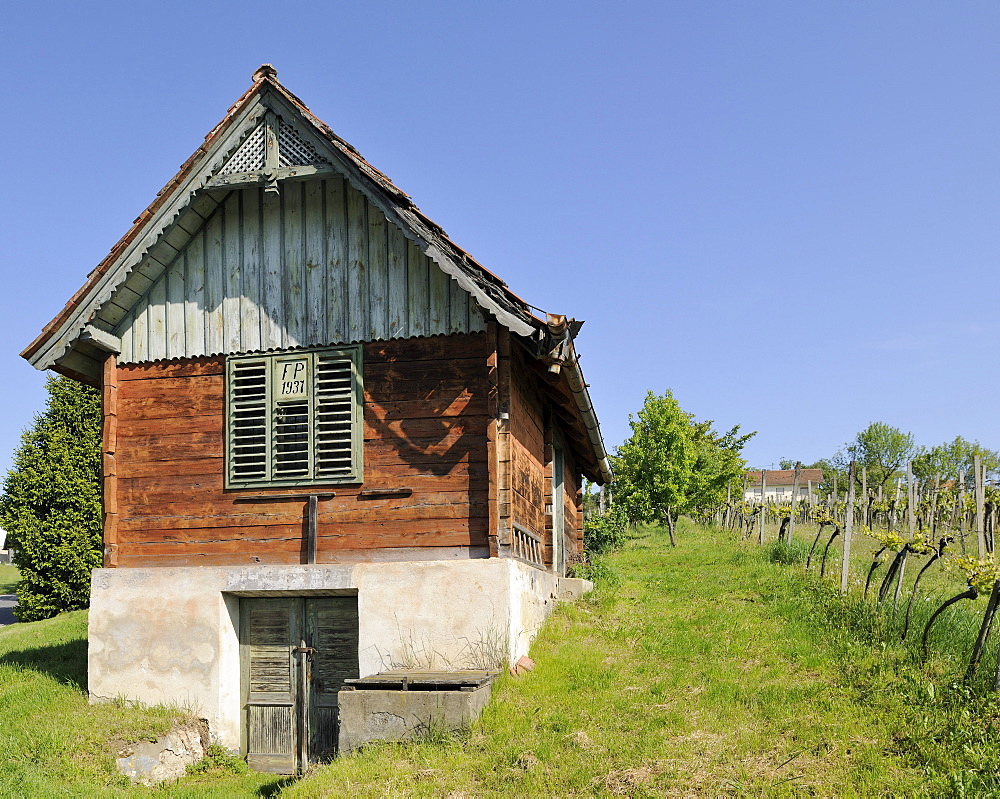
x=276, y=787
x=66, y=662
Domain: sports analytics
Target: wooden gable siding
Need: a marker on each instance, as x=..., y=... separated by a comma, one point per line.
x=317, y=264
x=425, y=417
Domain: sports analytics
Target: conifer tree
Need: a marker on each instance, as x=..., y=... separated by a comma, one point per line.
x=51, y=502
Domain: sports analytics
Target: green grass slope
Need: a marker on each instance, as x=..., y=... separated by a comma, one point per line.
x=696, y=670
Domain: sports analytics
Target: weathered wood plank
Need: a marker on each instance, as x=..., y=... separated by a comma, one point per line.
x=337, y=258
x=170, y=425
x=252, y=270
x=158, y=320
x=465, y=404
x=315, y=262
x=294, y=315
x=174, y=317
x=418, y=289
x=369, y=535
x=396, y=300
x=458, y=312
x=357, y=267
x=200, y=366
x=439, y=301
x=147, y=409
x=232, y=283
x=271, y=300
x=378, y=276
x=214, y=288
x=194, y=294
x=439, y=348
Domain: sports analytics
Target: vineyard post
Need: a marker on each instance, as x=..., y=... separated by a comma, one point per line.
x=961, y=508
x=763, y=505
x=977, y=466
x=845, y=567
x=835, y=488
x=934, y=504
x=911, y=498
x=864, y=496
x=809, y=493
x=795, y=501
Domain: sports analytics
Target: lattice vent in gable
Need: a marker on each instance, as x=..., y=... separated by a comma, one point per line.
x=293, y=150
x=249, y=157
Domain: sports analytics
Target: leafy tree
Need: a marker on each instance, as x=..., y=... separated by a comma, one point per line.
x=718, y=464
x=952, y=457
x=673, y=464
x=881, y=449
x=51, y=502
x=654, y=466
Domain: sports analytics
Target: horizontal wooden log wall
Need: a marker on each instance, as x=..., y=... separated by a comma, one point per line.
x=531, y=431
x=528, y=479
x=425, y=429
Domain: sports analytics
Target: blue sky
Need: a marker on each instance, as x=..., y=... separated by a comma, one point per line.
x=785, y=212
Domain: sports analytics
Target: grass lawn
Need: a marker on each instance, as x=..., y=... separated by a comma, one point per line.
x=699, y=670
x=702, y=670
x=8, y=578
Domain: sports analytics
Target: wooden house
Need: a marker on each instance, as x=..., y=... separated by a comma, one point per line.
x=333, y=442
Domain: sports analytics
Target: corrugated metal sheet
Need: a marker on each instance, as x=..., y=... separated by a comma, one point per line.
x=317, y=264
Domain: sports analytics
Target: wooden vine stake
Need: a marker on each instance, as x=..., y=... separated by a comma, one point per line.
x=961, y=508
x=865, y=504
x=763, y=507
x=845, y=567
x=911, y=500
x=795, y=502
x=977, y=466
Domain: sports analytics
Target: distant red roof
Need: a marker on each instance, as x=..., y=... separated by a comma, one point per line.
x=786, y=477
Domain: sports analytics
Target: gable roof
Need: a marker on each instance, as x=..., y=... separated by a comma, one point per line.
x=76, y=341
x=786, y=477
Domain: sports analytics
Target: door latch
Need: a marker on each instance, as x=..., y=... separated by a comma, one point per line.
x=307, y=650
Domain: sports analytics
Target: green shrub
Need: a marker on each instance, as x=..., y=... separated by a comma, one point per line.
x=788, y=554
x=217, y=760
x=595, y=570
x=51, y=502
x=604, y=532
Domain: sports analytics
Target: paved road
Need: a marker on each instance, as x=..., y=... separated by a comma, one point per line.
x=7, y=602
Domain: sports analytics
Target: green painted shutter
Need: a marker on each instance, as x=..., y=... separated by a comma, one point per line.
x=248, y=419
x=337, y=421
x=295, y=418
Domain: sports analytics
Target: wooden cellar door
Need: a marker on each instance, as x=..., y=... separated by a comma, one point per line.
x=296, y=653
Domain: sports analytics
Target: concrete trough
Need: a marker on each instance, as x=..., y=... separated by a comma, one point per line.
x=402, y=705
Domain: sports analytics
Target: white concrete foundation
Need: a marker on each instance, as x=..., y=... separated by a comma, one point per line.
x=171, y=635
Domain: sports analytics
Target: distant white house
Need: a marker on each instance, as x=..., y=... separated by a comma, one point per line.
x=779, y=483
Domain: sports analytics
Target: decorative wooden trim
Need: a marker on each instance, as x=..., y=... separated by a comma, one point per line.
x=240, y=180
x=109, y=468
